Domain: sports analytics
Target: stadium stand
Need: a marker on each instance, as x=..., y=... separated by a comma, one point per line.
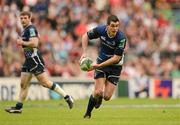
x=153, y=36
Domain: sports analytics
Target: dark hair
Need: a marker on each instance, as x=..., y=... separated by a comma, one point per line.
x=112, y=18
x=24, y=13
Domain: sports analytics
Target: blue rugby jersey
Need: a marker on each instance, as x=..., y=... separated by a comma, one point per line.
x=29, y=32
x=108, y=46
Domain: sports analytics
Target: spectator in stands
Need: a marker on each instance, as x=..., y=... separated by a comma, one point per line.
x=150, y=32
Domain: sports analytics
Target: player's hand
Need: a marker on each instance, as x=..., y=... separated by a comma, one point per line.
x=83, y=56
x=19, y=42
x=95, y=66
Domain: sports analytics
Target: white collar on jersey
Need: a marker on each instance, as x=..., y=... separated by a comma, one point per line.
x=27, y=25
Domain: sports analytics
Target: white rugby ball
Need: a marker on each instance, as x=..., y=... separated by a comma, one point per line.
x=86, y=63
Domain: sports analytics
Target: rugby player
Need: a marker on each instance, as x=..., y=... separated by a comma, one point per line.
x=109, y=60
x=33, y=64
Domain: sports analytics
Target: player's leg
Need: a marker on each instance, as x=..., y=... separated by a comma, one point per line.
x=25, y=79
x=44, y=81
x=97, y=93
x=99, y=88
x=109, y=90
x=112, y=81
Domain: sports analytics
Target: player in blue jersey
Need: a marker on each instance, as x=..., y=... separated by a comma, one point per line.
x=33, y=65
x=109, y=60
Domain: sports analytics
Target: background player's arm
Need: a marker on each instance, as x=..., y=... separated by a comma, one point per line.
x=33, y=42
x=33, y=39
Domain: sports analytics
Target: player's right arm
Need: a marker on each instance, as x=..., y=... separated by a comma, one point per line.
x=85, y=40
x=92, y=34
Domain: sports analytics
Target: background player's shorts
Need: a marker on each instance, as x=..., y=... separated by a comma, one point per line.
x=112, y=73
x=34, y=65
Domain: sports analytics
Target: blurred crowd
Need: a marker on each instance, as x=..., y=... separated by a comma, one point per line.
x=153, y=46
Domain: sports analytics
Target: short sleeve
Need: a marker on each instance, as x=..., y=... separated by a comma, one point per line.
x=33, y=32
x=121, y=43
x=93, y=34
x=96, y=32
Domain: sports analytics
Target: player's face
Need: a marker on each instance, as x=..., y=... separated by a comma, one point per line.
x=113, y=28
x=24, y=20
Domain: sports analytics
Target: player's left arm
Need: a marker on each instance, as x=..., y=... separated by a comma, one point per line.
x=118, y=53
x=33, y=40
x=112, y=60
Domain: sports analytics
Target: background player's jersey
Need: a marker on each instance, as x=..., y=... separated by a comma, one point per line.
x=29, y=32
x=108, y=46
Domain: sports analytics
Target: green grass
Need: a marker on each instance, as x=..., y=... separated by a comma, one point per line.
x=115, y=112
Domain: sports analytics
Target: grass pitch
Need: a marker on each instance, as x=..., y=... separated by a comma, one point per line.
x=114, y=112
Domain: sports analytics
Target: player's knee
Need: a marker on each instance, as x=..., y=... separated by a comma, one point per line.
x=46, y=84
x=98, y=93
x=107, y=98
x=23, y=86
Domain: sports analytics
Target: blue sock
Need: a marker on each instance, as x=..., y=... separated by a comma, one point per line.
x=53, y=86
x=19, y=105
x=91, y=104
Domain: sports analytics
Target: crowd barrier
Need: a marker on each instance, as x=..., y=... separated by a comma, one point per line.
x=81, y=88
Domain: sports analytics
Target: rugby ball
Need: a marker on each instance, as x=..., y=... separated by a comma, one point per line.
x=86, y=63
